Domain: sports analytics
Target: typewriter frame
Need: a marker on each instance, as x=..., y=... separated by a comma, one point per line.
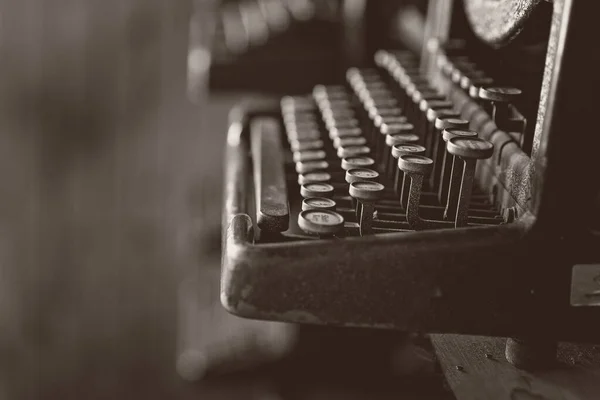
x=506, y=280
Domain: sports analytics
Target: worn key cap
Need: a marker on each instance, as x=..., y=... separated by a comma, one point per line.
x=311, y=166
x=316, y=189
x=469, y=150
x=439, y=148
x=501, y=98
x=318, y=203
x=272, y=207
x=366, y=193
x=415, y=168
x=397, y=151
x=357, y=162
x=392, y=140
x=349, y=141
x=309, y=155
x=306, y=145
x=352, y=151
x=325, y=223
x=454, y=174
x=314, y=177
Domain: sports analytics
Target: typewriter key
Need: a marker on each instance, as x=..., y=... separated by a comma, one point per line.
x=461, y=69
x=337, y=113
x=501, y=99
x=469, y=150
x=325, y=223
x=439, y=146
x=357, y=162
x=344, y=132
x=397, y=151
x=366, y=193
x=294, y=117
x=475, y=85
x=316, y=190
x=314, y=177
x=467, y=79
x=342, y=124
x=430, y=132
x=379, y=102
x=304, y=145
x=349, y=141
x=304, y=135
x=318, y=203
x=374, y=112
x=361, y=174
x=352, y=151
x=311, y=166
x=302, y=125
x=388, y=162
x=415, y=168
x=309, y=155
x=452, y=175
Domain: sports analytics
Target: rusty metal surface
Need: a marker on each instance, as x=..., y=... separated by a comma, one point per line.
x=497, y=22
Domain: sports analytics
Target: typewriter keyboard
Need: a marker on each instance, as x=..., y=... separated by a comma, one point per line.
x=384, y=153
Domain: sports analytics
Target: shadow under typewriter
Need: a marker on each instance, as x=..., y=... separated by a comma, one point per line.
x=373, y=204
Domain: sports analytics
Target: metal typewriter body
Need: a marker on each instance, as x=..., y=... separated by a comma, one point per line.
x=509, y=273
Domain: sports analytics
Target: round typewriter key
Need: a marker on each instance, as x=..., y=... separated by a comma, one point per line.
x=311, y=166
x=392, y=119
x=432, y=134
x=452, y=173
x=318, y=203
x=499, y=93
x=470, y=150
x=314, y=177
x=374, y=111
x=439, y=148
x=305, y=145
x=337, y=113
x=500, y=98
x=304, y=135
x=361, y=174
x=404, y=148
x=474, y=148
x=397, y=151
x=349, y=141
x=426, y=104
x=316, y=190
x=366, y=191
x=474, y=76
x=415, y=164
x=309, y=155
x=320, y=222
x=415, y=168
x=460, y=69
x=442, y=123
x=352, y=151
x=344, y=132
x=342, y=123
x=476, y=84
x=450, y=133
x=400, y=138
x=357, y=162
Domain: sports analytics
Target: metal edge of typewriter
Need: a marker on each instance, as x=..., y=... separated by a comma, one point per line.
x=418, y=292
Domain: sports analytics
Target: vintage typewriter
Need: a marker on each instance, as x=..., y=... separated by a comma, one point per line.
x=448, y=188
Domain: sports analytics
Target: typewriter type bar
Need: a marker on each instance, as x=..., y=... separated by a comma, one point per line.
x=410, y=205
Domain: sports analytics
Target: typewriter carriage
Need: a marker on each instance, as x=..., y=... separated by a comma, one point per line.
x=351, y=282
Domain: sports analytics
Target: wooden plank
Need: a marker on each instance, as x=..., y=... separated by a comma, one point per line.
x=576, y=376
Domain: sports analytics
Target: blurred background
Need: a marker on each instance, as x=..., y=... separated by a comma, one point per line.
x=113, y=117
